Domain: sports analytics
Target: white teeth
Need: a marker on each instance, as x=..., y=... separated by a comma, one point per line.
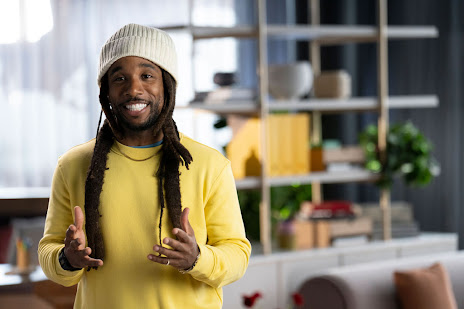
x=136, y=107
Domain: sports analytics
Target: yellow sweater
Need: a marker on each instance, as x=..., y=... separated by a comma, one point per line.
x=130, y=218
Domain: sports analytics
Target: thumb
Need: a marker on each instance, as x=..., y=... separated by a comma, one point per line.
x=184, y=222
x=78, y=217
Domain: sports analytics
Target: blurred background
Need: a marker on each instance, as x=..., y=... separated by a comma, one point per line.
x=49, y=53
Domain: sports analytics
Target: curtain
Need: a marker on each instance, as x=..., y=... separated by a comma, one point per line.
x=434, y=66
x=49, y=53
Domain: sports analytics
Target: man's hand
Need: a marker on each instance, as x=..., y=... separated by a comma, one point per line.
x=74, y=244
x=185, y=248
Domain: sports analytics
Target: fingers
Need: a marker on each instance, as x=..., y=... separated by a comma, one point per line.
x=184, y=249
x=181, y=256
x=87, y=260
x=78, y=217
x=172, y=254
x=179, y=260
x=163, y=260
x=81, y=258
x=184, y=222
x=181, y=236
x=74, y=244
x=77, y=254
x=70, y=232
x=90, y=262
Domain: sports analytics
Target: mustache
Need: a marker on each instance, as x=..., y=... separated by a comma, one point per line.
x=135, y=100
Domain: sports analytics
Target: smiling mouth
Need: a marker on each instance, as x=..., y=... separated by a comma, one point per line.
x=136, y=107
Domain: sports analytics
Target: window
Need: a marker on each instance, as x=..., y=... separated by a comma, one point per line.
x=49, y=53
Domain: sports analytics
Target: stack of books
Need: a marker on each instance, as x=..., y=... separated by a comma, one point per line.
x=402, y=219
x=226, y=94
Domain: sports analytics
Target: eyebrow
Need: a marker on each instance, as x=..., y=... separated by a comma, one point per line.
x=144, y=65
x=114, y=70
x=147, y=65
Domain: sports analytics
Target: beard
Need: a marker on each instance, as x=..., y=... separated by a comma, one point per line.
x=148, y=124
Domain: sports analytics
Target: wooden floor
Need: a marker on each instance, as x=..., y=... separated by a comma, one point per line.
x=39, y=295
x=23, y=301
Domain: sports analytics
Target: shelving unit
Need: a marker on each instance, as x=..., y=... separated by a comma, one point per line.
x=317, y=35
x=355, y=104
x=353, y=175
x=325, y=34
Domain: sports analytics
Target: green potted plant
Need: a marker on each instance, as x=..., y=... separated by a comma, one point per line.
x=285, y=202
x=408, y=154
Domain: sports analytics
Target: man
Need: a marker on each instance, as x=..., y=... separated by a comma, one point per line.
x=110, y=195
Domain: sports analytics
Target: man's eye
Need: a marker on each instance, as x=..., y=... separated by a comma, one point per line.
x=147, y=76
x=119, y=78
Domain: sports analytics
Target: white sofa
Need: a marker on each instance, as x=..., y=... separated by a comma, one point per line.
x=371, y=285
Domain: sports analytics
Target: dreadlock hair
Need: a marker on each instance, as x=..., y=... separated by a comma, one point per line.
x=173, y=154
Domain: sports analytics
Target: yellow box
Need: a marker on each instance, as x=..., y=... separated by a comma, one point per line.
x=287, y=143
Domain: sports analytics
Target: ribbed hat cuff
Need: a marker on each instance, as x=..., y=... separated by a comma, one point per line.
x=157, y=48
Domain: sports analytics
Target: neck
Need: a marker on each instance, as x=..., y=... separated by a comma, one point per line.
x=140, y=138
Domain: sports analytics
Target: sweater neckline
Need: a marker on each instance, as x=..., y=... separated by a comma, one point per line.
x=137, y=154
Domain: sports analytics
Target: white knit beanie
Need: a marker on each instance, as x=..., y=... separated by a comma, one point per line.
x=135, y=40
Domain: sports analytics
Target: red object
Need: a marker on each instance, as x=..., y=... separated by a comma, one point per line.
x=249, y=301
x=332, y=209
x=5, y=236
x=297, y=299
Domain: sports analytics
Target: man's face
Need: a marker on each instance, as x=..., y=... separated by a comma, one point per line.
x=136, y=92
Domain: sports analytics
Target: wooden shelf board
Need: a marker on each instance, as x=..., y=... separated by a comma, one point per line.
x=199, y=32
x=353, y=175
x=325, y=34
x=419, y=101
x=355, y=104
x=333, y=34
x=242, y=107
x=24, y=193
x=321, y=105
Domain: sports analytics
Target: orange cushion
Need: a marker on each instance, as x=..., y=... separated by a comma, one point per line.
x=425, y=288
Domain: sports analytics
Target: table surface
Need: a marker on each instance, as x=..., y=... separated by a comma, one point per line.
x=36, y=275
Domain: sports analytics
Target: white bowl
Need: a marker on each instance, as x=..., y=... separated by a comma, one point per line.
x=290, y=81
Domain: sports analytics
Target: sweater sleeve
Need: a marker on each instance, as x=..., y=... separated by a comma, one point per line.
x=224, y=259
x=59, y=217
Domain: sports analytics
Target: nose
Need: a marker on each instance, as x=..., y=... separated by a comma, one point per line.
x=134, y=88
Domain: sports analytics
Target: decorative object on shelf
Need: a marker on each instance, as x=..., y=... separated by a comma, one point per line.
x=339, y=223
x=322, y=225
x=331, y=210
x=343, y=158
x=224, y=78
x=349, y=153
x=23, y=257
x=23, y=247
x=287, y=146
x=226, y=94
x=316, y=158
x=333, y=84
x=408, y=154
x=290, y=81
x=295, y=234
x=331, y=230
